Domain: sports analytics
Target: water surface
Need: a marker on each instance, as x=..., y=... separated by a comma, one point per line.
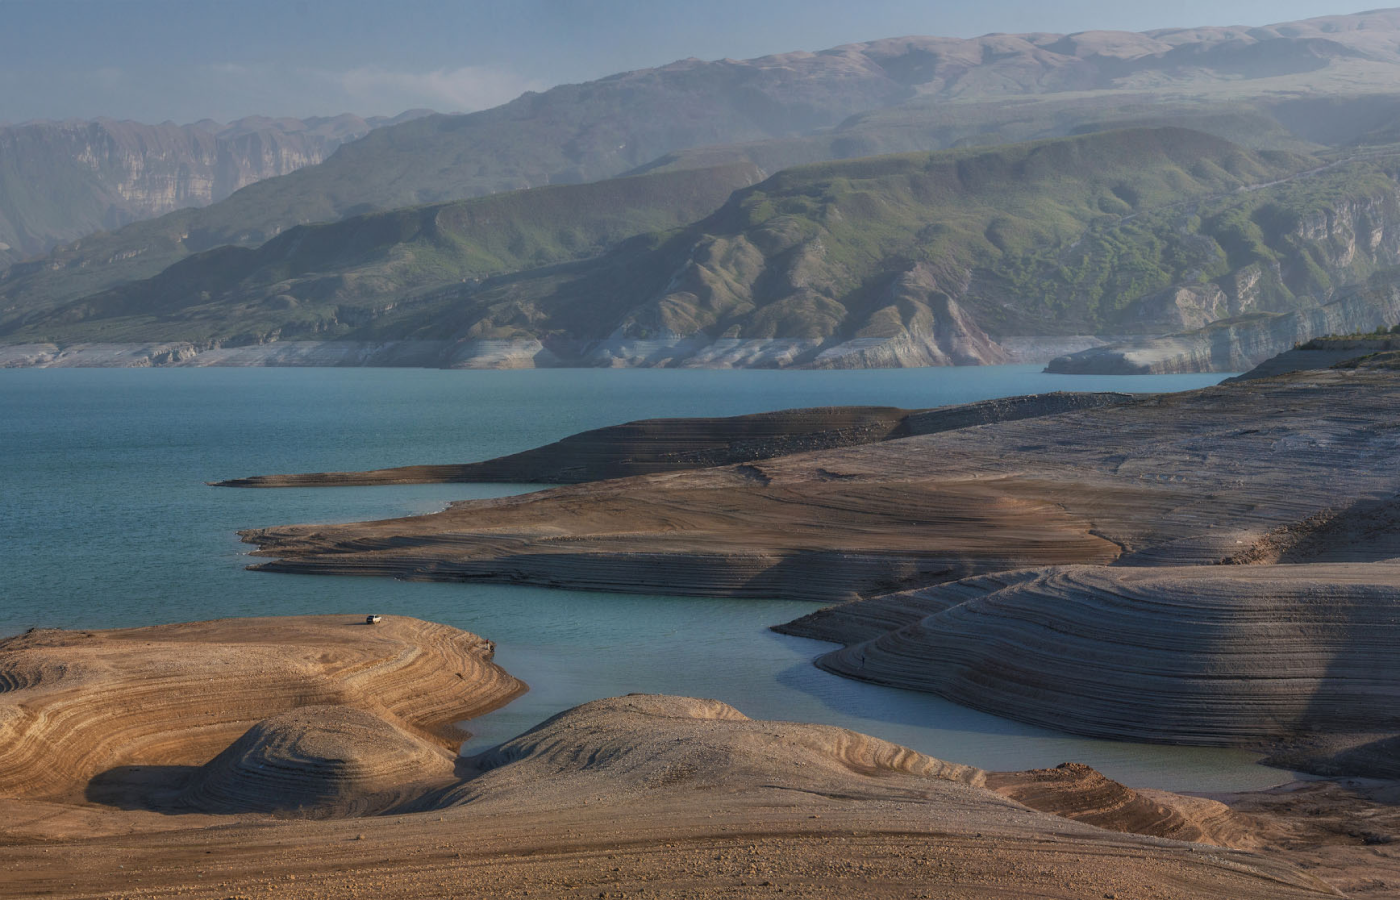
x=108, y=522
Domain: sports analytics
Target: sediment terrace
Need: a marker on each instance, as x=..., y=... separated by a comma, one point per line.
x=1188, y=478
x=670, y=445
x=670, y=795
x=77, y=704
x=1218, y=655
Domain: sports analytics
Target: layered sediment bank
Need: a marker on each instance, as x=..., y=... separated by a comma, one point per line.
x=76, y=706
x=1218, y=655
x=1177, y=479
x=667, y=795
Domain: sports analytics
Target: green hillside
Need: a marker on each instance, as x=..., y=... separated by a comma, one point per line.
x=321, y=280
x=889, y=96
x=1049, y=237
x=865, y=248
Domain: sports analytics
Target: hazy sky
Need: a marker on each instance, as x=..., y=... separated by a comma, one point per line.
x=184, y=60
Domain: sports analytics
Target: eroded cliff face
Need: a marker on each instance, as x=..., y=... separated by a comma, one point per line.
x=1335, y=275
x=1239, y=344
x=63, y=180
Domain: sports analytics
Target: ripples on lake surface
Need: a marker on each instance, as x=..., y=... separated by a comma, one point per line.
x=108, y=522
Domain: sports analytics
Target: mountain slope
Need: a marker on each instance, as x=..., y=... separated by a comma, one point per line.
x=604, y=128
x=915, y=259
x=320, y=281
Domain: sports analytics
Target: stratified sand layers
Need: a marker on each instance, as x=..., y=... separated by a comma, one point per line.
x=740, y=536
x=634, y=746
x=672, y=796
x=1174, y=479
x=1198, y=654
x=321, y=760
x=1078, y=792
x=80, y=703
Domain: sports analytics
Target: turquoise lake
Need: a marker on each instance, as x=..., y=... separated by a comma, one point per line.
x=108, y=522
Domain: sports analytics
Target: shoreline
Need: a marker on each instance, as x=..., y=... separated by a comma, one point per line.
x=686, y=352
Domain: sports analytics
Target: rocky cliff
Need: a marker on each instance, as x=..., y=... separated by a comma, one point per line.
x=62, y=180
x=1239, y=344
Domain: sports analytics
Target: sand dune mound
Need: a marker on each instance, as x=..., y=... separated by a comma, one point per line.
x=1078, y=792
x=640, y=795
x=1212, y=655
x=320, y=761
x=83, y=703
x=636, y=745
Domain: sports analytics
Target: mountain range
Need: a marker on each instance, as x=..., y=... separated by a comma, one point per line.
x=606, y=218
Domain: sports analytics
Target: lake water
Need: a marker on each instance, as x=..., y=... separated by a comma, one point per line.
x=107, y=522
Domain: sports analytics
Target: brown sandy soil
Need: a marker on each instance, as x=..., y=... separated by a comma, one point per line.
x=644, y=796
x=647, y=797
x=1344, y=832
x=92, y=711
x=761, y=845
x=1184, y=478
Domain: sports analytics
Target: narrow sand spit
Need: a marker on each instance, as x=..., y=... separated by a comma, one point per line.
x=669, y=445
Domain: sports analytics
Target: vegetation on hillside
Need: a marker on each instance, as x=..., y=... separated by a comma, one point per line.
x=1296, y=87
x=321, y=280
x=1063, y=236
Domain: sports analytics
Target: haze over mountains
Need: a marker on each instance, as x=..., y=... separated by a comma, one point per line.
x=1255, y=179
x=62, y=180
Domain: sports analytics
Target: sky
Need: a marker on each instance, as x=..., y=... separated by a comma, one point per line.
x=186, y=60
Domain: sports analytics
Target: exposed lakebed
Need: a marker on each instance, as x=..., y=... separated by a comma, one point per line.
x=110, y=524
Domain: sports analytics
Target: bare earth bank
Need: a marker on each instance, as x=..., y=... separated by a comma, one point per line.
x=641, y=795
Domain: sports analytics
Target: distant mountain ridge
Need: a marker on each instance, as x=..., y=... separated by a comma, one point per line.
x=1328, y=85
x=916, y=259
x=922, y=87
x=62, y=180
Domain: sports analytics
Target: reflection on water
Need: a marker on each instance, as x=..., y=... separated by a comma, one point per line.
x=109, y=523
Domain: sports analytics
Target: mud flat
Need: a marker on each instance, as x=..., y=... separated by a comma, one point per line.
x=645, y=794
